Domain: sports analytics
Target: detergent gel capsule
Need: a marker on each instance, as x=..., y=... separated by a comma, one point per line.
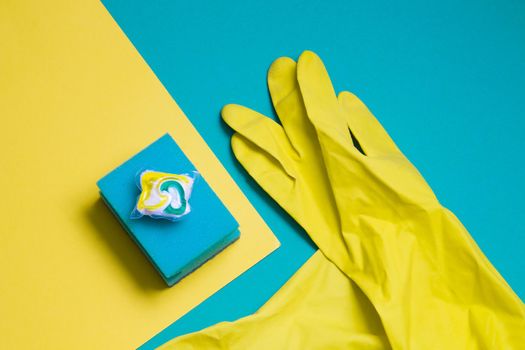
x=164, y=195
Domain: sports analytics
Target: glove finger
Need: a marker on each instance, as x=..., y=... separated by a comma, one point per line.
x=370, y=134
x=288, y=103
x=344, y=163
x=275, y=181
x=322, y=107
x=263, y=132
x=263, y=168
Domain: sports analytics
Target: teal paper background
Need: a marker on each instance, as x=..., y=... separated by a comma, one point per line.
x=446, y=79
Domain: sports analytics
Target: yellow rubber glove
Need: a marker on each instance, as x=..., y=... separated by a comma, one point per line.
x=373, y=215
x=428, y=280
x=319, y=308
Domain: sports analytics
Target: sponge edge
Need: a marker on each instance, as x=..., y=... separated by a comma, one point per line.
x=177, y=248
x=205, y=256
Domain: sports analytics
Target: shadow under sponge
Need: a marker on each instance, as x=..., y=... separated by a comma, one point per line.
x=174, y=248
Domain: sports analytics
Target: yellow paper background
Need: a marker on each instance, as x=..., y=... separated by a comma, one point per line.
x=76, y=100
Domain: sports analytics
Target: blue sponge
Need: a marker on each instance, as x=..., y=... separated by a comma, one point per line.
x=174, y=248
